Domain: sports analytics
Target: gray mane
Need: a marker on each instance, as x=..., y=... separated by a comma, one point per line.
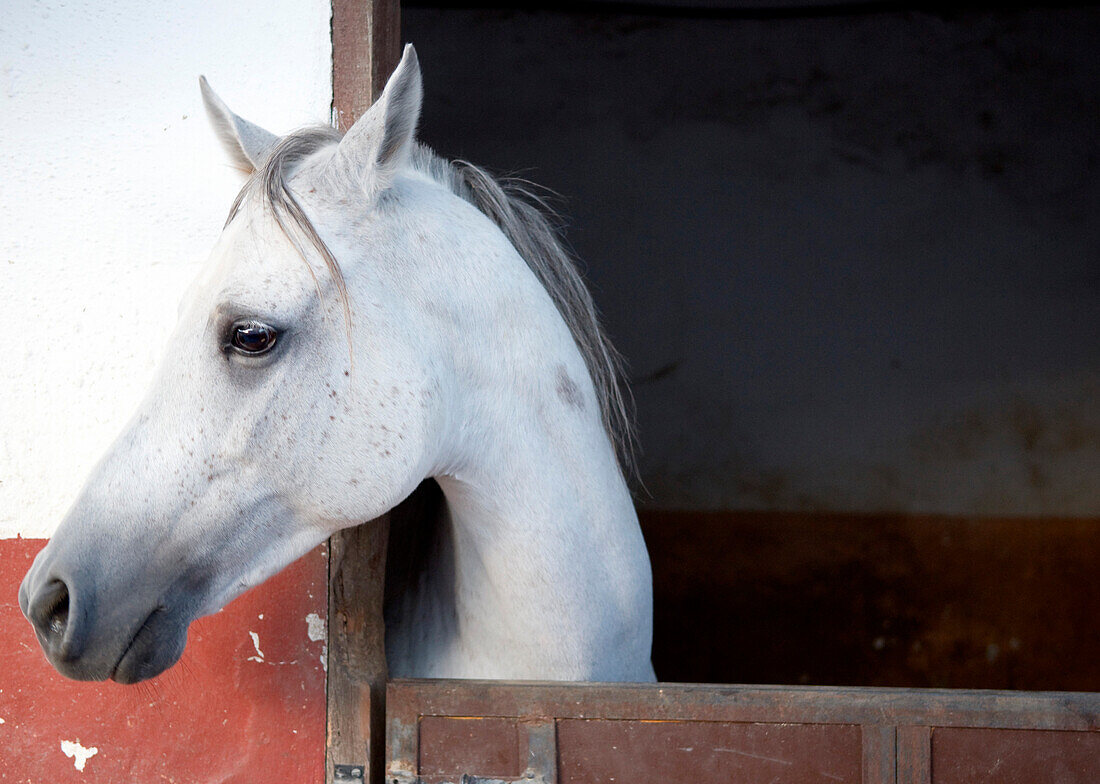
x=525, y=220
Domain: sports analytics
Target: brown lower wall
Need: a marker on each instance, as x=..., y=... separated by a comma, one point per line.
x=875, y=600
x=246, y=703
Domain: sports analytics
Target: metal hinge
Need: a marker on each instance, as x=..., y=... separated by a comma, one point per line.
x=348, y=774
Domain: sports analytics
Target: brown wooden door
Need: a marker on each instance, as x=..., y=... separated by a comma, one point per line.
x=442, y=731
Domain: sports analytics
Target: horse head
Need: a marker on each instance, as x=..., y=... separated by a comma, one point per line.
x=279, y=413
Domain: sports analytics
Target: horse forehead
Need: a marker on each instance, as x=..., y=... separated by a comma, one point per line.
x=253, y=251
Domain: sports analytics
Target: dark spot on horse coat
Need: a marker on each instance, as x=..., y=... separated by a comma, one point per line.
x=568, y=390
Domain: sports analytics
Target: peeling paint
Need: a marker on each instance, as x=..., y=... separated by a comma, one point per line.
x=317, y=630
x=259, y=657
x=316, y=627
x=80, y=755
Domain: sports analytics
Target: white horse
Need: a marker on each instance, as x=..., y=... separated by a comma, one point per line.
x=372, y=316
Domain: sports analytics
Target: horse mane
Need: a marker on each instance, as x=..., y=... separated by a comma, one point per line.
x=524, y=218
x=529, y=224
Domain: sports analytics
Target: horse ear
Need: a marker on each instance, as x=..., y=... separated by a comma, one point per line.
x=380, y=142
x=247, y=144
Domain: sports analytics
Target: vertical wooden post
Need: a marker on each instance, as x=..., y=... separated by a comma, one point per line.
x=914, y=755
x=880, y=753
x=356, y=681
x=366, y=45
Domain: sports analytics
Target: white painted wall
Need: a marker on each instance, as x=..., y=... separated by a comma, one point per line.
x=113, y=191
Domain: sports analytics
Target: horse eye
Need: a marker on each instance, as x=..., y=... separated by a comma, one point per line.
x=253, y=337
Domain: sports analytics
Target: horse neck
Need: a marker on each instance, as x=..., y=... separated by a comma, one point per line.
x=545, y=557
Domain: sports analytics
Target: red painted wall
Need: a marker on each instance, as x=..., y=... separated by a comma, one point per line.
x=224, y=713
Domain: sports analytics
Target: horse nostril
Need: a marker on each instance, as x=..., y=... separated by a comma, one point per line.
x=50, y=612
x=59, y=615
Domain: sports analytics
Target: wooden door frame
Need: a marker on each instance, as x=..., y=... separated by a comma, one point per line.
x=366, y=46
x=446, y=729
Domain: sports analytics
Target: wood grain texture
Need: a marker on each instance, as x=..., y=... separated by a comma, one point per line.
x=961, y=756
x=366, y=45
x=702, y=733
x=408, y=699
x=914, y=755
x=880, y=757
x=489, y=745
x=356, y=655
x=655, y=752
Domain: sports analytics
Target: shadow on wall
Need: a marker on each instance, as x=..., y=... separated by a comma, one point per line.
x=849, y=258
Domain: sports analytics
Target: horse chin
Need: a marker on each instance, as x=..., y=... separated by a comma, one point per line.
x=157, y=645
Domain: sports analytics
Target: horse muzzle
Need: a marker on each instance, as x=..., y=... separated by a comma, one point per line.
x=91, y=638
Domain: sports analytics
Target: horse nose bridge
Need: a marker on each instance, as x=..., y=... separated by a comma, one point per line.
x=170, y=454
x=143, y=478
x=136, y=521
